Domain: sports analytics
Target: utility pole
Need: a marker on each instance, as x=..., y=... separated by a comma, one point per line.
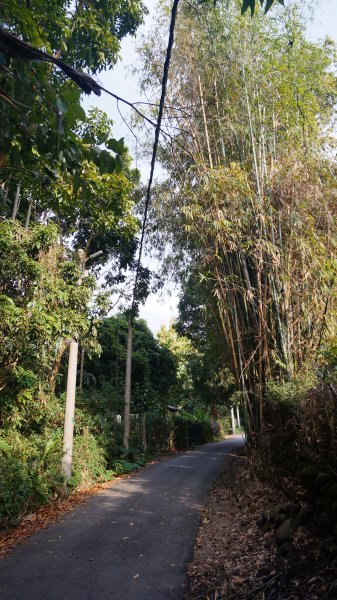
x=127, y=394
x=238, y=417
x=143, y=429
x=68, y=433
x=233, y=420
x=81, y=373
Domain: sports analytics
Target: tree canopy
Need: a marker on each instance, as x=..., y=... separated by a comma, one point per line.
x=249, y=200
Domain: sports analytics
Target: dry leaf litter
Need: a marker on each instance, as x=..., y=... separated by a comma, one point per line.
x=235, y=558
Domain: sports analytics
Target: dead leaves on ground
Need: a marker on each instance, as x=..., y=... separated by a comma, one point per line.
x=48, y=514
x=235, y=560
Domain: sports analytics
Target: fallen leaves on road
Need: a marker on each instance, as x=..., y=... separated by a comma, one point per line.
x=52, y=512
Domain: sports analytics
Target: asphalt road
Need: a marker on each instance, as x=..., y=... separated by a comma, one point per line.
x=132, y=541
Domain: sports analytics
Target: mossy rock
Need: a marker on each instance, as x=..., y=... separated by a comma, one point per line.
x=321, y=502
x=286, y=549
x=285, y=533
x=302, y=518
x=281, y=517
x=325, y=523
x=274, y=512
x=290, y=509
x=332, y=491
x=325, y=488
x=322, y=480
x=308, y=475
x=303, y=457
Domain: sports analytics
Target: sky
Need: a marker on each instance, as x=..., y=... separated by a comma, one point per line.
x=161, y=309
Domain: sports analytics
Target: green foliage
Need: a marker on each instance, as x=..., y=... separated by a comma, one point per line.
x=41, y=305
x=40, y=110
x=193, y=429
x=249, y=205
x=87, y=35
x=30, y=474
x=327, y=370
x=284, y=399
x=153, y=368
x=89, y=464
x=123, y=467
x=201, y=379
x=18, y=488
x=180, y=430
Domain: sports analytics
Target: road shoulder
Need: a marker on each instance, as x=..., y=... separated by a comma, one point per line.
x=236, y=558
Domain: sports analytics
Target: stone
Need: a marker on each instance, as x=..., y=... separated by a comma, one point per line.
x=274, y=513
x=286, y=548
x=308, y=475
x=290, y=509
x=281, y=517
x=321, y=502
x=325, y=488
x=332, y=491
x=321, y=480
x=302, y=518
x=284, y=533
x=325, y=524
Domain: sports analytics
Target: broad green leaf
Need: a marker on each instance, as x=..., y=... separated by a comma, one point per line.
x=116, y=146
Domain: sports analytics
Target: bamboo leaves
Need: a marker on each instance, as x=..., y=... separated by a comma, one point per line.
x=251, y=204
x=251, y=4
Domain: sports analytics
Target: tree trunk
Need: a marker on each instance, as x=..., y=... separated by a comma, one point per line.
x=29, y=212
x=16, y=202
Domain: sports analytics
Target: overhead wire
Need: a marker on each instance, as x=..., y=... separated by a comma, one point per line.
x=166, y=68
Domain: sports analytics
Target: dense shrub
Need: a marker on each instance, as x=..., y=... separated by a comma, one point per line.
x=30, y=473
x=180, y=430
x=121, y=466
x=302, y=417
x=30, y=466
x=89, y=463
x=17, y=489
x=225, y=426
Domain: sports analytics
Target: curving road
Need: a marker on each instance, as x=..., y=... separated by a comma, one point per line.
x=132, y=541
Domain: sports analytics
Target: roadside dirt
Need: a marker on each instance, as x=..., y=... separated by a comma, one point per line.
x=235, y=559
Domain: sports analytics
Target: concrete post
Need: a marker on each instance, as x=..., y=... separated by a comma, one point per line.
x=70, y=411
x=233, y=419
x=238, y=417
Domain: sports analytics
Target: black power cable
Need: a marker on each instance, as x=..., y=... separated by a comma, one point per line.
x=156, y=141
